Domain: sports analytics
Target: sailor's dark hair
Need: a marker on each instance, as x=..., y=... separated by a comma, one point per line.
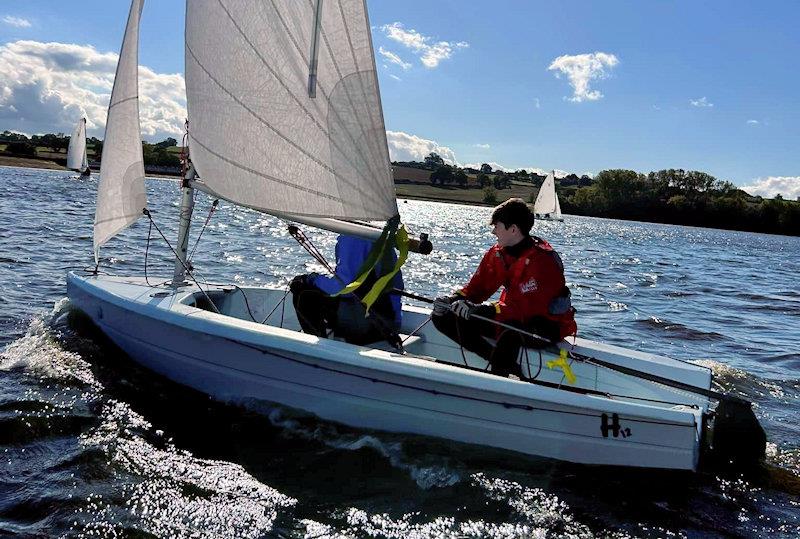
x=514, y=211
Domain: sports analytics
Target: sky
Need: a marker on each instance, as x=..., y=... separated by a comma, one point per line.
x=575, y=86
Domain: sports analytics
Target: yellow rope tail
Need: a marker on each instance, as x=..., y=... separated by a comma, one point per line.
x=562, y=363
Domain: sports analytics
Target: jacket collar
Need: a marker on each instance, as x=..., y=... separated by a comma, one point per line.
x=517, y=249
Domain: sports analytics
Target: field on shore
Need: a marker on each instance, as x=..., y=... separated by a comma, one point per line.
x=29, y=162
x=451, y=193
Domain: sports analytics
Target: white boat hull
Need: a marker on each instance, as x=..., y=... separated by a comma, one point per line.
x=236, y=360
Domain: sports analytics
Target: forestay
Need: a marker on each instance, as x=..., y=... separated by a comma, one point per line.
x=121, y=193
x=76, y=153
x=284, y=107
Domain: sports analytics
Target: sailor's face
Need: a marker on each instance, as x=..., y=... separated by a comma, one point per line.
x=505, y=236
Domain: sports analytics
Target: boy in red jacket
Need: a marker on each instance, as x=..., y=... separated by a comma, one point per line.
x=534, y=297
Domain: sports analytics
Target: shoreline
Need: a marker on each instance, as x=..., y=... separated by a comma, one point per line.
x=44, y=164
x=47, y=164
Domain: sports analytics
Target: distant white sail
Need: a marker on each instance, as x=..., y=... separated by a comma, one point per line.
x=76, y=153
x=121, y=193
x=284, y=107
x=546, y=200
x=557, y=214
x=85, y=161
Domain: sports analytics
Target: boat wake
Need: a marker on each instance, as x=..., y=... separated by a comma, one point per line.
x=427, y=475
x=103, y=466
x=679, y=330
x=520, y=512
x=40, y=353
x=168, y=492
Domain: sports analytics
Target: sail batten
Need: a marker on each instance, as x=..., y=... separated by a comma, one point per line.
x=121, y=192
x=247, y=83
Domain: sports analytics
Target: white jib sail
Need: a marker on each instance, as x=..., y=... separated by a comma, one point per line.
x=121, y=193
x=76, y=152
x=546, y=199
x=284, y=107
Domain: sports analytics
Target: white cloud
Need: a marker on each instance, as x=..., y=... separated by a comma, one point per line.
x=581, y=69
x=786, y=186
x=46, y=87
x=430, y=52
x=702, y=103
x=406, y=147
x=752, y=122
x=536, y=103
x=395, y=77
x=393, y=58
x=16, y=22
x=482, y=146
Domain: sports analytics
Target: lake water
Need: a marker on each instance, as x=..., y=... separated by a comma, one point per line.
x=93, y=446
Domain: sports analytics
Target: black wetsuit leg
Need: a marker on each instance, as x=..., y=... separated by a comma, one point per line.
x=506, y=353
x=316, y=310
x=468, y=333
x=503, y=355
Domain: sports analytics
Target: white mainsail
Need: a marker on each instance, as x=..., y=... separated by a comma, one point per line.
x=284, y=107
x=546, y=200
x=121, y=193
x=76, y=152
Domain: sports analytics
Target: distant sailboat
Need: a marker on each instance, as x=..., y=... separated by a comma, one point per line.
x=547, y=206
x=76, y=154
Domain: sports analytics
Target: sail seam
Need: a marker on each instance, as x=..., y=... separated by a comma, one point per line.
x=327, y=96
x=339, y=74
x=263, y=175
x=358, y=68
x=124, y=217
x=297, y=102
x=112, y=105
x=384, y=143
x=341, y=77
x=277, y=132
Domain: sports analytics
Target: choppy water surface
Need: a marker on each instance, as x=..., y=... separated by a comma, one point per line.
x=93, y=446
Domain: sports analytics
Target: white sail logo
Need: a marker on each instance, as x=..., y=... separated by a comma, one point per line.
x=529, y=286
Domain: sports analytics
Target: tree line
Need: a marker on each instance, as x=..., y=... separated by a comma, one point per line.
x=680, y=197
x=670, y=196
x=20, y=145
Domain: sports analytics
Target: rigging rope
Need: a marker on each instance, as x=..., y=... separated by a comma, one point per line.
x=208, y=219
x=186, y=268
x=311, y=249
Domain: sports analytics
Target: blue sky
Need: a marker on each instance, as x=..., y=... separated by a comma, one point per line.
x=577, y=86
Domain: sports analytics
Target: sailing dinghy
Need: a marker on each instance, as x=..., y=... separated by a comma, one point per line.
x=76, y=152
x=547, y=207
x=285, y=118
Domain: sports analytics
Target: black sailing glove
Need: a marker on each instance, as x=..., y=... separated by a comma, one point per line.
x=442, y=304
